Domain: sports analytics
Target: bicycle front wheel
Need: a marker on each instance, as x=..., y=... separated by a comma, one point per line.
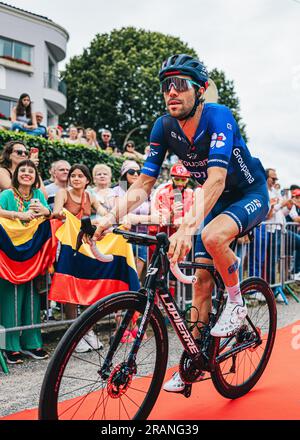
x=75, y=384
x=240, y=360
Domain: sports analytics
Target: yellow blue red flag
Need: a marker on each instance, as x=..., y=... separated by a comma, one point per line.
x=80, y=278
x=26, y=250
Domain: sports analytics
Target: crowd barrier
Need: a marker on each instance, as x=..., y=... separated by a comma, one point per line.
x=271, y=255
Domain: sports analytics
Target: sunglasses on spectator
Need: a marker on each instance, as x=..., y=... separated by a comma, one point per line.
x=180, y=179
x=21, y=152
x=179, y=84
x=106, y=135
x=132, y=172
x=274, y=179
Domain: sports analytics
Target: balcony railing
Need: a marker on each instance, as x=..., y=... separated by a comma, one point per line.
x=53, y=82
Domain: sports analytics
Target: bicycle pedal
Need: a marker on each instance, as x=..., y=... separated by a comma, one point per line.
x=187, y=391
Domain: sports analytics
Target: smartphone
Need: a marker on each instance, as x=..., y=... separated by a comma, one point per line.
x=177, y=196
x=34, y=153
x=35, y=201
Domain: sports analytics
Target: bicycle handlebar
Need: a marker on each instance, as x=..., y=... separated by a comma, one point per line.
x=88, y=230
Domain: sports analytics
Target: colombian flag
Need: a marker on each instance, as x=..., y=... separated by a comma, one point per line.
x=26, y=251
x=81, y=279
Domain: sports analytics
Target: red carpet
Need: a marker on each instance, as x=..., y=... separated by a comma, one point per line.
x=276, y=396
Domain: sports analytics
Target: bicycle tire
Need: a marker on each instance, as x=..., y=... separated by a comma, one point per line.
x=50, y=405
x=221, y=376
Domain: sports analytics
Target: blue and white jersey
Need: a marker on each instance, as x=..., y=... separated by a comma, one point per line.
x=217, y=143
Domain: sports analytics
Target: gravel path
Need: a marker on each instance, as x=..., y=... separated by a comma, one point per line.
x=20, y=389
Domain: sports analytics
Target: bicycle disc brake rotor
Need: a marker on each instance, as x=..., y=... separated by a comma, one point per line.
x=119, y=381
x=189, y=369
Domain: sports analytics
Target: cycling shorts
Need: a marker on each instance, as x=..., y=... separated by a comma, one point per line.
x=247, y=210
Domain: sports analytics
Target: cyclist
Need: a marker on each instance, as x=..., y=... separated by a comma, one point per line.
x=233, y=197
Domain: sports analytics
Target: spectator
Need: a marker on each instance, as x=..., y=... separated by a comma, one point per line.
x=294, y=235
x=103, y=191
x=12, y=154
x=91, y=139
x=106, y=142
x=171, y=201
x=39, y=119
x=24, y=202
x=22, y=117
x=81, y=136
x=51, y=172
x=54, y=134
x=73, y=136
x=276, y=215
x=79, y=202
x=129, y=173
x=60, y=173
x=130, y=152
x=147, y=151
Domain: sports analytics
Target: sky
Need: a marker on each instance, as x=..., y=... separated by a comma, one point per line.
x=256, y=43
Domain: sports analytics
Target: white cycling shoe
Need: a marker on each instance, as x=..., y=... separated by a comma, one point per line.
x=230, y=320
x=176, y=384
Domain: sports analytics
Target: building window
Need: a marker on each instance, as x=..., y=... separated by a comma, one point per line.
x=6, y=106
x=15, y=51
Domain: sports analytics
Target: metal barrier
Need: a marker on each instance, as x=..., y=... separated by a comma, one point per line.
x=272, y=256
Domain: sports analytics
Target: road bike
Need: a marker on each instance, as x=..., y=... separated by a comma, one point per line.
x=123, y=380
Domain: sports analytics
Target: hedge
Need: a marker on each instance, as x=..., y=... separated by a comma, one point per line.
x=50, y=151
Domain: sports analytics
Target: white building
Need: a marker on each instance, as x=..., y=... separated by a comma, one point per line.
x=31, y=46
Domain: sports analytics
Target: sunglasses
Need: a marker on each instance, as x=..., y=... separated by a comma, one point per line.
x=179, y=84
x=274, y=179
x=21, y=152
x=132, y=172
x=180, y=179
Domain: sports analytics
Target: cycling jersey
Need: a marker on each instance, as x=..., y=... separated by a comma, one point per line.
x=217, y=143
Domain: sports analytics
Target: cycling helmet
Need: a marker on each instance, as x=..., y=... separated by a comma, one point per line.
x=182, y=64
x=179, y=170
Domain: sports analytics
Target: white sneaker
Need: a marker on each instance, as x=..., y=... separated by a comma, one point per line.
x=279, y=299
x=230, y=320
x=88, y=343
x=259, y=297
x=93, y=341
x=175, y=384
x=297, y=276
x=83, y=347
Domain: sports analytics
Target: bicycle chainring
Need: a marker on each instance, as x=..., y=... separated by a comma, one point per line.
x=190, y=369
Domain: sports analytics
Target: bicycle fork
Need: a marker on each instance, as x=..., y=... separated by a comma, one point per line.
x=129, y=367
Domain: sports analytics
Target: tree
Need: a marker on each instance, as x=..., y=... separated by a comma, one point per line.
x=114, y=83
x=227, y=96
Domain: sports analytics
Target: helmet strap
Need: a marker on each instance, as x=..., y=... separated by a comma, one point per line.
x=198, y=100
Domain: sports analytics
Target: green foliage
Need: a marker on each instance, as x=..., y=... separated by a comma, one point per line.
x=114, y=83
x=52, y=151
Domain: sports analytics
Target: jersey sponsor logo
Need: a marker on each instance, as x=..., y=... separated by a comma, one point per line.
x=229, y=126
x=253, y=206
x=217, y=140
x=199, y=163
x=192, y=156
x=178, y=137
x=199, y=174
x=243, y=166
x=152, y=152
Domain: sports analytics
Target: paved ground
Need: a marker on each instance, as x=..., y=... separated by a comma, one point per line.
x=20, y=389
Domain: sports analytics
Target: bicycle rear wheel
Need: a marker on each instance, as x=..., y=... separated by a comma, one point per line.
x=235, y=374
x=75, y=387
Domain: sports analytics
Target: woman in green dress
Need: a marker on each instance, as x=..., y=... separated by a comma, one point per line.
x=20, y=305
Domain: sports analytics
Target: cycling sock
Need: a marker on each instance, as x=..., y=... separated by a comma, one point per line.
x=234, y=294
